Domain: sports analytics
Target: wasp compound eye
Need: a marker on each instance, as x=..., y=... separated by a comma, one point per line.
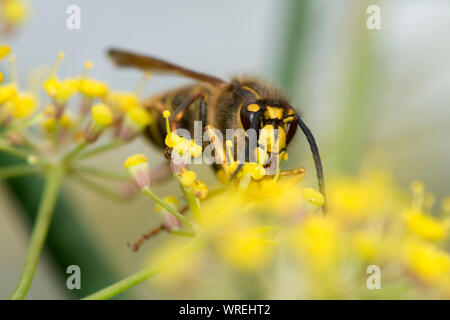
x=247, y=114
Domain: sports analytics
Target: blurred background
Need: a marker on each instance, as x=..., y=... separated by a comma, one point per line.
x=377, y=98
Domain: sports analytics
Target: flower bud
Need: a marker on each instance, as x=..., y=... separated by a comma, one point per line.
x=313, y=196
x=136, y=119
x=7, y=92
x=92, y=88
x=101, y=118
x=139, y=170
x=5, y=50
x=187, y=178
x=200, y=190
x=169, y=221
x=176, y=165
x=60, y=92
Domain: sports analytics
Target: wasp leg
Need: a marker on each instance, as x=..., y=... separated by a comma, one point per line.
x=135, y=246
x=181, y=110
x=219, y=150
x=298, y=173
x=293, y=172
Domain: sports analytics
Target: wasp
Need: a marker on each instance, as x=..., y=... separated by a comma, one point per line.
x=242, y=103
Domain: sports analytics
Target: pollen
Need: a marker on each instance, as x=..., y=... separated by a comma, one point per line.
x=88, y=64
x=417, y=187
x=14, y=12
x=256, y=171
x=7, y=92
x=188, y=178
x=49, y=124
x=446, y=205
x=135, y=160
x=60, y=56
x=425, y=226
x=4, y=51
x=166, y=114
x=200, y=189
x=102, y=114
x=418, y=191
x=123, y=101
x=60, y=91
x=93, y=88
x=24, y=105
x=313, y=196
x=140, y=116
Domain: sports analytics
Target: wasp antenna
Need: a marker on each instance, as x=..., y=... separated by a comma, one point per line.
x=253, y=126
x=235, y=172
x=317, y=160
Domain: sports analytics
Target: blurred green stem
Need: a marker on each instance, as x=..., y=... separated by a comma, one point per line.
x=147, y=273
x=102, y=173
x=124, y=284
x=99, y=188
x=100, y=149
x=14, y=151
x=40, y=230
x=358, y=109
x=294, y=40
x=16, y=171
x=192, y=202
x=168, y=207
x=72, y=154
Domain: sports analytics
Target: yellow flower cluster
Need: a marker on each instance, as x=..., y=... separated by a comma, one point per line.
x=188, y=180
x=370, y=222
x=100, y=107
x=14, y=103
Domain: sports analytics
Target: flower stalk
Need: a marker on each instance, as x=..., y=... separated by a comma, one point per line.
x=192, y=202
x=17, y=171
x=143, y=275
x=40, y=230
x=125, y=284
x=167, y=207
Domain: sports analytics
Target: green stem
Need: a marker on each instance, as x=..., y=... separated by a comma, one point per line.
x=294, y=38
x=72, y=154
x=192, y=202
x=124, y=284
x=109, y=146
x=56, y=133
x=22, y=125
x=143, y=275
x=168, y=207
x=99, y=188
x=183, y=233
x=15, y=151
x=16, y=171
x=101, y=173
x=40, y=230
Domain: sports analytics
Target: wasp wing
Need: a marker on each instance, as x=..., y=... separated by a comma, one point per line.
x=130, y=59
